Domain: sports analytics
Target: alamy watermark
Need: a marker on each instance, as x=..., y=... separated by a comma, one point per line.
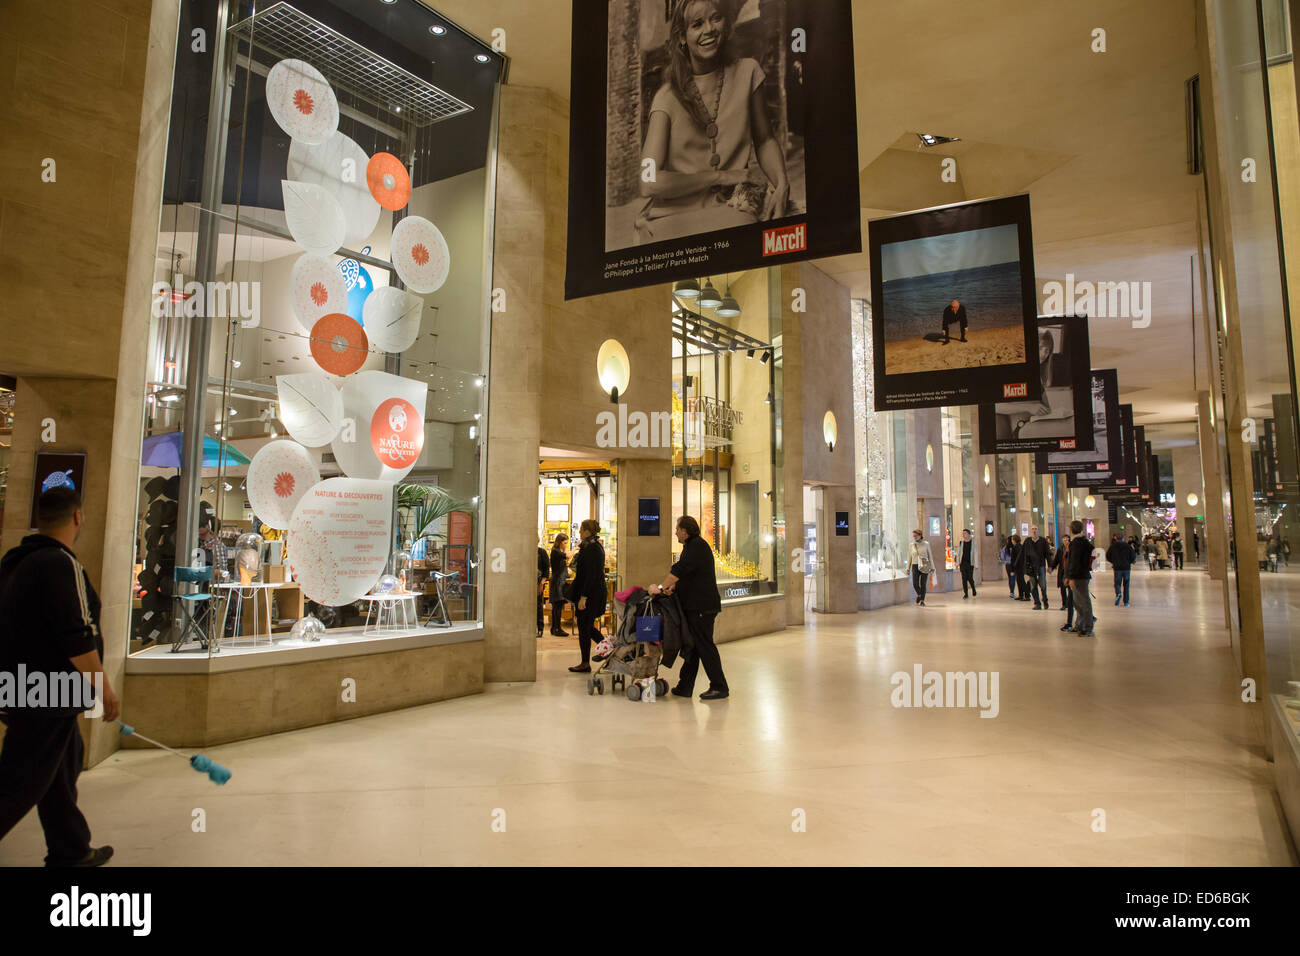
x=1099, y=300
x=211, y=300
x=43, y=690
x=922, y=688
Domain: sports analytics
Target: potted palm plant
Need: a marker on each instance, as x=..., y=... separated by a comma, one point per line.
x=422, y=506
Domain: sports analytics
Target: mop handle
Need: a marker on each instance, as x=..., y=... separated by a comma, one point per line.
x=129, y=731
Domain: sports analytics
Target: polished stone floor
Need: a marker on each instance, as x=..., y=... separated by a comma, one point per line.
x=1143, y=722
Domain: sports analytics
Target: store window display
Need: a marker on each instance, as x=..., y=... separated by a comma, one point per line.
x=725, y=398
x=882, y=477
x=306, y=394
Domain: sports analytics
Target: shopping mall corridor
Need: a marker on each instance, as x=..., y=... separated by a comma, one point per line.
x=1142, y=722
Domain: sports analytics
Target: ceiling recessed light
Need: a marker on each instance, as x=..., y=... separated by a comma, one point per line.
x=482, y=57
x=930, y=139
x=437, y=30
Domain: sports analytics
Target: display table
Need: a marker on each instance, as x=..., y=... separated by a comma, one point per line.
x=385, y=608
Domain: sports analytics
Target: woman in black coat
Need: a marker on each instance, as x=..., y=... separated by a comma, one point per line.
x=559, y=575
x=588, y=590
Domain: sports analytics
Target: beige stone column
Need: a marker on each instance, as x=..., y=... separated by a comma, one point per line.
x=643, y=560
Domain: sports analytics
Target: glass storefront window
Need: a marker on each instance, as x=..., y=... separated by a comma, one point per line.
x=881, y=474
x=319, y=328
x=725, y=470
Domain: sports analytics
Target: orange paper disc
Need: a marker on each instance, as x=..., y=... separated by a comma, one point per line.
x=338, y=344
x=388, y=181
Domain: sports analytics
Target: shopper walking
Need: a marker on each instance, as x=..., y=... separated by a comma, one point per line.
x=1079, y=574
x=1120, y=555
x=588, y=591
x=559, y=575
x=1162, y=553
x=921, y=563
x=1008, y=552
x=1176, y=549
x=1058, y=563
x=1018, y=566
x=966, y=564
x=1035, y=562
x=693, y=580
x=49, y=625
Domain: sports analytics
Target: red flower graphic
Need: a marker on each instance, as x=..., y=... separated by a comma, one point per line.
x=303, y=102
x=284, y=484
x=319, y=293
x=420, y=254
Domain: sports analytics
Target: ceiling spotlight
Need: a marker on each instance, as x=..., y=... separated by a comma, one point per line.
x=478, y=383
x=709, y=298
x=234, y=411
x=227, y=485
x=477, y=415
x=482, y=57
x=749, y=353
x=235, y=362
x=687, y=289
x=437, y=30
x=767, y=357
x=768, y=400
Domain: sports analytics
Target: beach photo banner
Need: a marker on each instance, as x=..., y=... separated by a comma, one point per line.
x=714, y=146
x=954, y=311
x=1062, y=419
x=1105, y=430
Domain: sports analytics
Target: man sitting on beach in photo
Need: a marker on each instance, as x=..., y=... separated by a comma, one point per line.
x=956, y=312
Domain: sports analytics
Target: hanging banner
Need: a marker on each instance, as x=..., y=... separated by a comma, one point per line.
x=1062, y=419
x=1122, y=464
x=339, y=538
x=954, y=314
x=278, y=476
x=310, y=407
x=388, y=411
x=723, y=144
x=1105, y=431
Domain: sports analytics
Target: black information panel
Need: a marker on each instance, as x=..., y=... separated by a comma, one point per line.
x=647, y=517
x=55, y=469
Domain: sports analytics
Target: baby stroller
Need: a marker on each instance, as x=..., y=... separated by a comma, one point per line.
x=626, y=655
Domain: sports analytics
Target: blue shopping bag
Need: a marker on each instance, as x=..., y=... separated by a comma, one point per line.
x=650, y=629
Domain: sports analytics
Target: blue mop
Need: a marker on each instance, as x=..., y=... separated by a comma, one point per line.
x=216, y=773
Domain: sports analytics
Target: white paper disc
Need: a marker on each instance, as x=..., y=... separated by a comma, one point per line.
x=339, y=166
x=363, y=394
x=392, y=318
x=278, y=476
x=339, y=538
x=420, y=254
x=316, y=288
x=311, y=408
x=314, y=216
x=301, y=101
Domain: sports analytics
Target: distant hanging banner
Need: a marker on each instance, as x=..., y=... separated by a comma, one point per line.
x=1062, y=419
x=1106, y=435
x=721, y=145
x=954, y=310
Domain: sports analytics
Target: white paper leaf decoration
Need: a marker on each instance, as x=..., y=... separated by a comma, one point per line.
x=311, y=408
x=315, y=218
x=338, y=165
x=392, y=318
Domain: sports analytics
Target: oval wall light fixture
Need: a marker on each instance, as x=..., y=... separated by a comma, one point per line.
x=829, y=430
x=1193, y=501
x=986, y=475
x=1024, y=485
x=929, y=458
x=1090, y=501
x=613, y=369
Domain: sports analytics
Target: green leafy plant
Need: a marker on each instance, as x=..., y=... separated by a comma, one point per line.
x=424, y=506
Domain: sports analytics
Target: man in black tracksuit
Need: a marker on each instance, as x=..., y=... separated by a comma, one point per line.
x=694, y=582
x=49, y=625
x=966, y=563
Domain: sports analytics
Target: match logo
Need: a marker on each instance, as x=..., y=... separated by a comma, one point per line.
x=786, y=239
x=1015, y=390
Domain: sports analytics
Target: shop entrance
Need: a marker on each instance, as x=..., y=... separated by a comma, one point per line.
x=569, y=492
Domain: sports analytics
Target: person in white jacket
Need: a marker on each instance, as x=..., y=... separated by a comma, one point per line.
x=922, y=564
